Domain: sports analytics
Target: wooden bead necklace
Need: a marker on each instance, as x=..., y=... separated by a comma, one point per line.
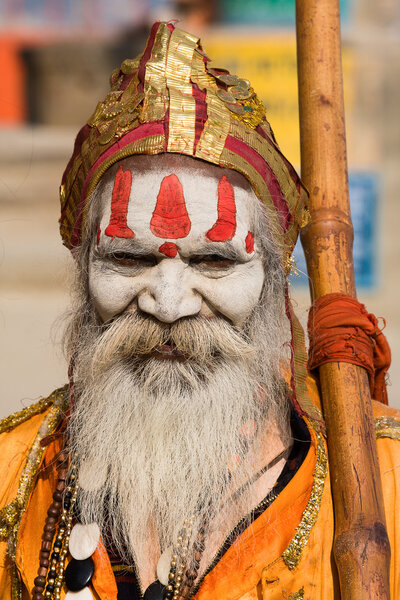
x=54, y=548
x=53, y=515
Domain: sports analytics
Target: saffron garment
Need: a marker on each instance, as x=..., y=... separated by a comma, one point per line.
x=286, y=554
x=127, y=584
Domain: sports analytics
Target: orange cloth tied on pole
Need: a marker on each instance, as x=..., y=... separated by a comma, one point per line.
x=340, y=329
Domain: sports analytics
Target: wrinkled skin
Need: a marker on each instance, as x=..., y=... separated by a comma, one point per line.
x=205, y=277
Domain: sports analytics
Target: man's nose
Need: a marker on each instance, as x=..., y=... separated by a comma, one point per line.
x=169, y=294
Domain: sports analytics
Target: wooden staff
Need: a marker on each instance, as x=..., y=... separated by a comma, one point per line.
x=361, y=546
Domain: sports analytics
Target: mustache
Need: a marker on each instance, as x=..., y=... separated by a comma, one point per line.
x=197, y=338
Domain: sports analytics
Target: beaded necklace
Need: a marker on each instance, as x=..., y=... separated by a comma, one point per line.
x=56, y=541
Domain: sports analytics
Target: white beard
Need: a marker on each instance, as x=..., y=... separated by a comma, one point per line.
x=155, y=437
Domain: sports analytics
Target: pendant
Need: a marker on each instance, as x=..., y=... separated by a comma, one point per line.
x=155, y=591
x=164, y=566
x=78, y=574
x=83, y=540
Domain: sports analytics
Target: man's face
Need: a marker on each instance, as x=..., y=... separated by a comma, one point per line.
x=176, y=239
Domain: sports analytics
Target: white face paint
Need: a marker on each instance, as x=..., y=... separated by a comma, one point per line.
x=162, y=254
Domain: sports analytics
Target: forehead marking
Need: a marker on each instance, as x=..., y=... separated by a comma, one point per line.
x=249, y=243
x=117, y=226
x=225, y=226
x=169, y=249
x=170, y=218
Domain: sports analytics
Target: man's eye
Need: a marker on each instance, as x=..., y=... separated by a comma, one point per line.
x=212, y=261
x=124, y=259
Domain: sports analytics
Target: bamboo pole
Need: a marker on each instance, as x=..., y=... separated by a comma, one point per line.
x=361, y=547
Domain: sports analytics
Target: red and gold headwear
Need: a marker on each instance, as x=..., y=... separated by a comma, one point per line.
x=170, y=99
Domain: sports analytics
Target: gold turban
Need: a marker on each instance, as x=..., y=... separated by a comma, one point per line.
x=169, y=99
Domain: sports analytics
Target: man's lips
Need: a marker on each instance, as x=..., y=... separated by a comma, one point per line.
x=168, y=351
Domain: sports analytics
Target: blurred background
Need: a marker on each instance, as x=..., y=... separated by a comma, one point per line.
x=56, y=57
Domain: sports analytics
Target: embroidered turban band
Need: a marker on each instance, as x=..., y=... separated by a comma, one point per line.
x=170, y=100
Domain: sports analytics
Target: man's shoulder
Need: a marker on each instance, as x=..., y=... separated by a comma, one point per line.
x=21, y=451
x=386, y=418
x=387, y=421
x=20, y=426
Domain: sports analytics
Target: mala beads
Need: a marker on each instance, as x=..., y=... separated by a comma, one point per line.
x=192, y=573
x=52, y=518
x=55, y=575
x=178, y=562
x=178, y=583
x=54, y=547
x=81, y=541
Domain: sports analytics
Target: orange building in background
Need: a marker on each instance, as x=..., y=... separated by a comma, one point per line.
x=12, y=81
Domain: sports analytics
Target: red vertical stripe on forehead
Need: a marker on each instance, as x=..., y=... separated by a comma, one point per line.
x=119, y=206
x=170, y=218
x=249, y=243
x=225, y=226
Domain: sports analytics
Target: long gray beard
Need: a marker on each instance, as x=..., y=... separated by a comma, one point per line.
x=155, y=438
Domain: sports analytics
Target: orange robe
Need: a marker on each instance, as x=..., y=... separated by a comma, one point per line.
x=285, y=554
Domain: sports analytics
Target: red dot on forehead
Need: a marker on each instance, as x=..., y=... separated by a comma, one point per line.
x=170, y=218
x=169, y=249
x=249, y=243
x=225, y=226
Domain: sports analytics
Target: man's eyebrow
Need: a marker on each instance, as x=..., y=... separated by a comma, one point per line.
x=226, y=250
x=123, y=245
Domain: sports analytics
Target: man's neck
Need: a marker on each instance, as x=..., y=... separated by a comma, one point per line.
x=270, y=448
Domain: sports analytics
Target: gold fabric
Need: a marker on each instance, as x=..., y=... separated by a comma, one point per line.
x=23, y=415
x=292, y=554
x=387, y=427
x=182, y=105
x=155, y=85
x=216, y=128
x=173, y=67
x=287, y=553
x=10, y=515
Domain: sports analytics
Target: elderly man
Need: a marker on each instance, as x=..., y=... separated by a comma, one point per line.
x=178, y=462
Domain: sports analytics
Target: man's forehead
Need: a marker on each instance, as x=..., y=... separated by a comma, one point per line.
x=179, y=201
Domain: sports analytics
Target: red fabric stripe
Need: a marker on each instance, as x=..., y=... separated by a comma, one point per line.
x=288, y=165
x=141, y=132
x=146, y=55
x=83, y=134
x=294, y=399
x=256, y=161
x=80, y=138
x=201, y=113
